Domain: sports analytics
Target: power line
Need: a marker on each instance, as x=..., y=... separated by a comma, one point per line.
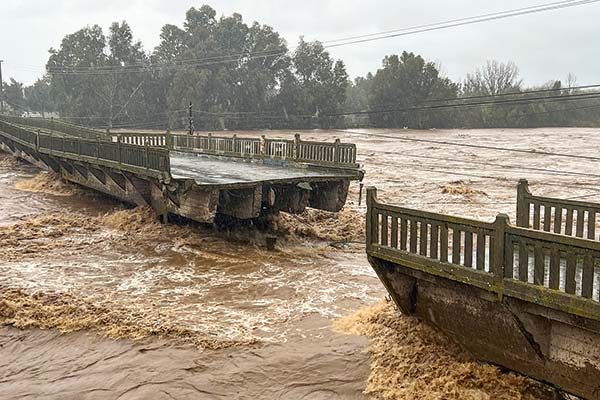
x=443, y=22
x=526, y=100
x=475, y=20
x=376, y=36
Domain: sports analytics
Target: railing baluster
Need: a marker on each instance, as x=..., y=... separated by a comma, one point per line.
x=523, y=261
x=558, y=219
x=480, y=250
x=394, y=231
x=570, y=273
x=403, y=233
x=468, y=249
x=547, y=217
x=509, y=257
x=434, y=241
x=579, y=227
x=456, y=239
x=569, y=222
x=413, y=236
x=423, y=238
x=554, y=281
x=587, y=277
x=444, y=242
x=536, y=215
x=539, y=265
x=591, y=234
x=384, y=229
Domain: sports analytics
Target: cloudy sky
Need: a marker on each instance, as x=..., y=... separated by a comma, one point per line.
x=545, y=46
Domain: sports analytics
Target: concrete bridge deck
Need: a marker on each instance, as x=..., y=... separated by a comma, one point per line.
x=207, y=170
x=195, y=176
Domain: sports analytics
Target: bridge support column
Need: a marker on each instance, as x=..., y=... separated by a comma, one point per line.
x=329, y=196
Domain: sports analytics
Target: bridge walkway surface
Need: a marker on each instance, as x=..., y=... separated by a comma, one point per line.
x=195, y=176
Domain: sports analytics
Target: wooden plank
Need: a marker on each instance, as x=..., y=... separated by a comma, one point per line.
x=509, y=257
x=539, y=265
x=569, y=222
x=468, y=249
x=547, y=217
x=384, y=229
x=434, y=241
x=423, y=238
x=480, y=250
x=456, y=236
x=429, y=216
x=394, y=232
x=591, y=225
x=523, y=261
x=403, y=233
x=444, y=243
x=587, y=278
x=413, y=236
x=570, y=273
x=558, y=219
x=554, y=281
x=579, y=227
x=536, y=215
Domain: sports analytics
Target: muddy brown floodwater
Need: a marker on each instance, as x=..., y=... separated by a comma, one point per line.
x=101, y=301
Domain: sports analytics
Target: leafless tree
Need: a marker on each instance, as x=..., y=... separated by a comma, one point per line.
x=494, y=78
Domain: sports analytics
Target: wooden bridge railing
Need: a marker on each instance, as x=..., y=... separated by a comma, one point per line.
x=334, y=154
x=566, y=217
x=545, y=268
x=153, y=161
x=54, y=125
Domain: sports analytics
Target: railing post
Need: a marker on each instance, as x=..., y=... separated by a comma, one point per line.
x=37, y=141
x=336, y=152
x=296, y=146
x=97, y=146
x=146, y=161
x=371, y=217
x=263, y=145
x=210, y=144
x=522, y=203
x=51, y=141
x=119, y=148
x=233, y=143
x=497, y=258
x=169, y=140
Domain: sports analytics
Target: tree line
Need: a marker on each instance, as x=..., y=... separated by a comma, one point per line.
x=231, y=75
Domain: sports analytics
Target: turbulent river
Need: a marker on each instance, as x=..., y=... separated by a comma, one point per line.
x=102, y=301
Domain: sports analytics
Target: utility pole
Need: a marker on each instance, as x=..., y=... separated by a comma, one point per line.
x=191, y=117
x=1, y=89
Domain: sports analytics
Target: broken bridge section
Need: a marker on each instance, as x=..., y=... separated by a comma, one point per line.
x=526, y=299
x=194, y=176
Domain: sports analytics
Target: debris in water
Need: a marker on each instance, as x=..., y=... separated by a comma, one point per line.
x=412, y=360
x=461, y=188
x=48, y=183
x=68, y=314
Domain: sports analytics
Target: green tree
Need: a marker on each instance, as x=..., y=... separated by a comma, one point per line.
x=405, y=82
x=316, y=84
x=38, y=98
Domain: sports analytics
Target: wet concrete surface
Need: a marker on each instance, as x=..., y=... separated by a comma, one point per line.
x=209, y=170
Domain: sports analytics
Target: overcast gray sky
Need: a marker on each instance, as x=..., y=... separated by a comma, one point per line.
x=545, y=46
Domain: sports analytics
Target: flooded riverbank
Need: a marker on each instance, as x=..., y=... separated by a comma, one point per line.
x=77, y=262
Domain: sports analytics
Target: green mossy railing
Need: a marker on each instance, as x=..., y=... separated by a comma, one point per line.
x=552, y=270
x=336, y=154
x=146, y=160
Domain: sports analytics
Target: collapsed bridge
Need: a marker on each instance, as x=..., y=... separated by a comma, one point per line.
x=194, y=176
